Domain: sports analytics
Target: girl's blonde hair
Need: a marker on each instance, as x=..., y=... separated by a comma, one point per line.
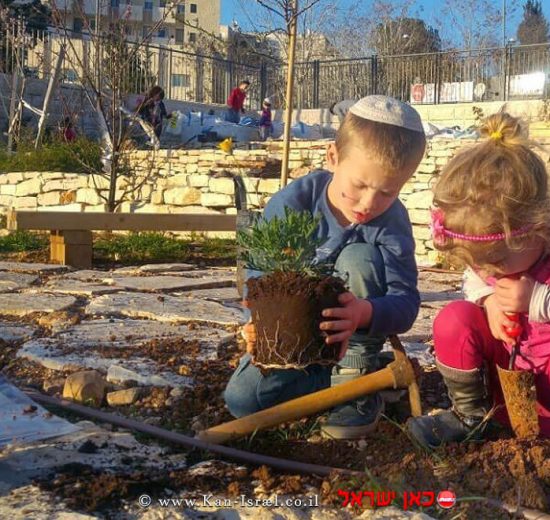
x=497, y=186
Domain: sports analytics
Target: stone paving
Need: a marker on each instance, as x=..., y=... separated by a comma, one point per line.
x=132, y=306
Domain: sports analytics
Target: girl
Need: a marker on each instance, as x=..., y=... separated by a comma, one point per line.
x=266, y=126
x=492, y=213
x=153, y=110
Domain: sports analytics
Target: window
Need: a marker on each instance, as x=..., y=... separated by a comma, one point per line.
x=181, y=80
x=146, y=30
x=115, y=3
x=193, y=8
x=192, y=37
x=179, y=35
x=162, y=3
x=180, y=9
x=77, y=25
x=162, y=33
x=148, y=6
x=92, y=25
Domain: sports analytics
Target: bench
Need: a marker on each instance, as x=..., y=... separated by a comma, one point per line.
x=71, y=232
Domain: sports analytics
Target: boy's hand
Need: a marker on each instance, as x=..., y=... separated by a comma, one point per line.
x=498, y=321
x=514, y=295
x=355, y=313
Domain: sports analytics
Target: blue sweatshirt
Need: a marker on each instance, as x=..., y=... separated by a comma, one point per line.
x=391, y=232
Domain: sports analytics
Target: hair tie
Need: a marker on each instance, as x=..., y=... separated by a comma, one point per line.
x=497, y=135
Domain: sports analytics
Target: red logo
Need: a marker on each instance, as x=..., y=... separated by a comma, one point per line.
x=446, y=499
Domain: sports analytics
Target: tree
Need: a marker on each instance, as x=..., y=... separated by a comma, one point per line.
x=109, y=68
x=405, y=36
x=534, y=27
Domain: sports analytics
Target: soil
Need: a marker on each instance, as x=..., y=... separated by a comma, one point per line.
x=286, y=310
x=503, y=468
x=518, y=388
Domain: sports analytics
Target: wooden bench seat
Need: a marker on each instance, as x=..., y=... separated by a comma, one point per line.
x=71, y=232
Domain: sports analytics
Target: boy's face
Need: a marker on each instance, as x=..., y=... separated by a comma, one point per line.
x=361, y=188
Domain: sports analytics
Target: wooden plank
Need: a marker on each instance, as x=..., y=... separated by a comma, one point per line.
x=61, y=221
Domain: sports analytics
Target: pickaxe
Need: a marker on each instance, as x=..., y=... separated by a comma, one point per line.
x=398, y=374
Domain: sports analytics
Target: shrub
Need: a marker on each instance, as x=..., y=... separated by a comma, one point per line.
x=80, y=156
x=20, y=241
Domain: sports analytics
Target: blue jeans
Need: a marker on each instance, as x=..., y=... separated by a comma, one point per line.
x=248, y=391
x=232, y=116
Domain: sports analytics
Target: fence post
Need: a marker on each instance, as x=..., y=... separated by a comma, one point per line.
x=437, y=86
x=170, y=74
x=316, y=74
x=374, y=73
x=263, y=81
x=506, y=73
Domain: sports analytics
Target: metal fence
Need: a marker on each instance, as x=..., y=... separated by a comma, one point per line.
x=183, y=75
x=495, y=74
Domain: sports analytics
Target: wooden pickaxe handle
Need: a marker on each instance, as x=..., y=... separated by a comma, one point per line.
x=398, y=374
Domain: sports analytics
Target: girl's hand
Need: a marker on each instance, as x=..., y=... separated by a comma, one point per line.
x=355, y=313
x=498, y=321
x=514, y=295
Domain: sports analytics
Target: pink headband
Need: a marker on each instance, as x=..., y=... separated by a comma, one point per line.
x=440, y=232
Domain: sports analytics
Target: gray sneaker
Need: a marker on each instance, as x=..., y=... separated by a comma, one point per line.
x=354, y=419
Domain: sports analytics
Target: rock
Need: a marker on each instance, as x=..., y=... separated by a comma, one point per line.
x=171, y=401
x=177, y=392
x=85, y=387
x=123, y=397
x=153, y=421
x=54, y=386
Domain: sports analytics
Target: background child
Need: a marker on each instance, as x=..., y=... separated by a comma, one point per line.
x=493, y=215
x=235, y=102
x=369, y=238
x=153, y=110
x=266, y=126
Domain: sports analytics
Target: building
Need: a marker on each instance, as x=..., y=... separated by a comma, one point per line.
x=142, y=15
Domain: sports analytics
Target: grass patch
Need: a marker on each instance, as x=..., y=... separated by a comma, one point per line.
x=20, y=241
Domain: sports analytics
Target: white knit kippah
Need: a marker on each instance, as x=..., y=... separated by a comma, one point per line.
x=384, y=109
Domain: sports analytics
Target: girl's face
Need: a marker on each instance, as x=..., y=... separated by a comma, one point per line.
x=517, y=262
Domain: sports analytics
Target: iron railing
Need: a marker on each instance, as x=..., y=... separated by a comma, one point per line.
x=493, y=74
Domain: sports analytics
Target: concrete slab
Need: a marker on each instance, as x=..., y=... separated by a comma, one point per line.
x=155, y=268
x=10, y=281
x=217, y=294
x=21, y=304
x=168, y=283
x=87, y=275
x=130, y=332
x=163, y=308
x=25, y=267
x=10, y=331
x=79, y=287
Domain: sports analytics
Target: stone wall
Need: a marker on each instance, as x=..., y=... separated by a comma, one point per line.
x=200, y=181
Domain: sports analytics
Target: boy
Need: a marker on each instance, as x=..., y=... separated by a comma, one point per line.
x=369, y=238
x=235, y=102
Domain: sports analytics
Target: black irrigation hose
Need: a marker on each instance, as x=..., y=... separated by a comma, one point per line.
x=179, y=438
x=233, y=453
